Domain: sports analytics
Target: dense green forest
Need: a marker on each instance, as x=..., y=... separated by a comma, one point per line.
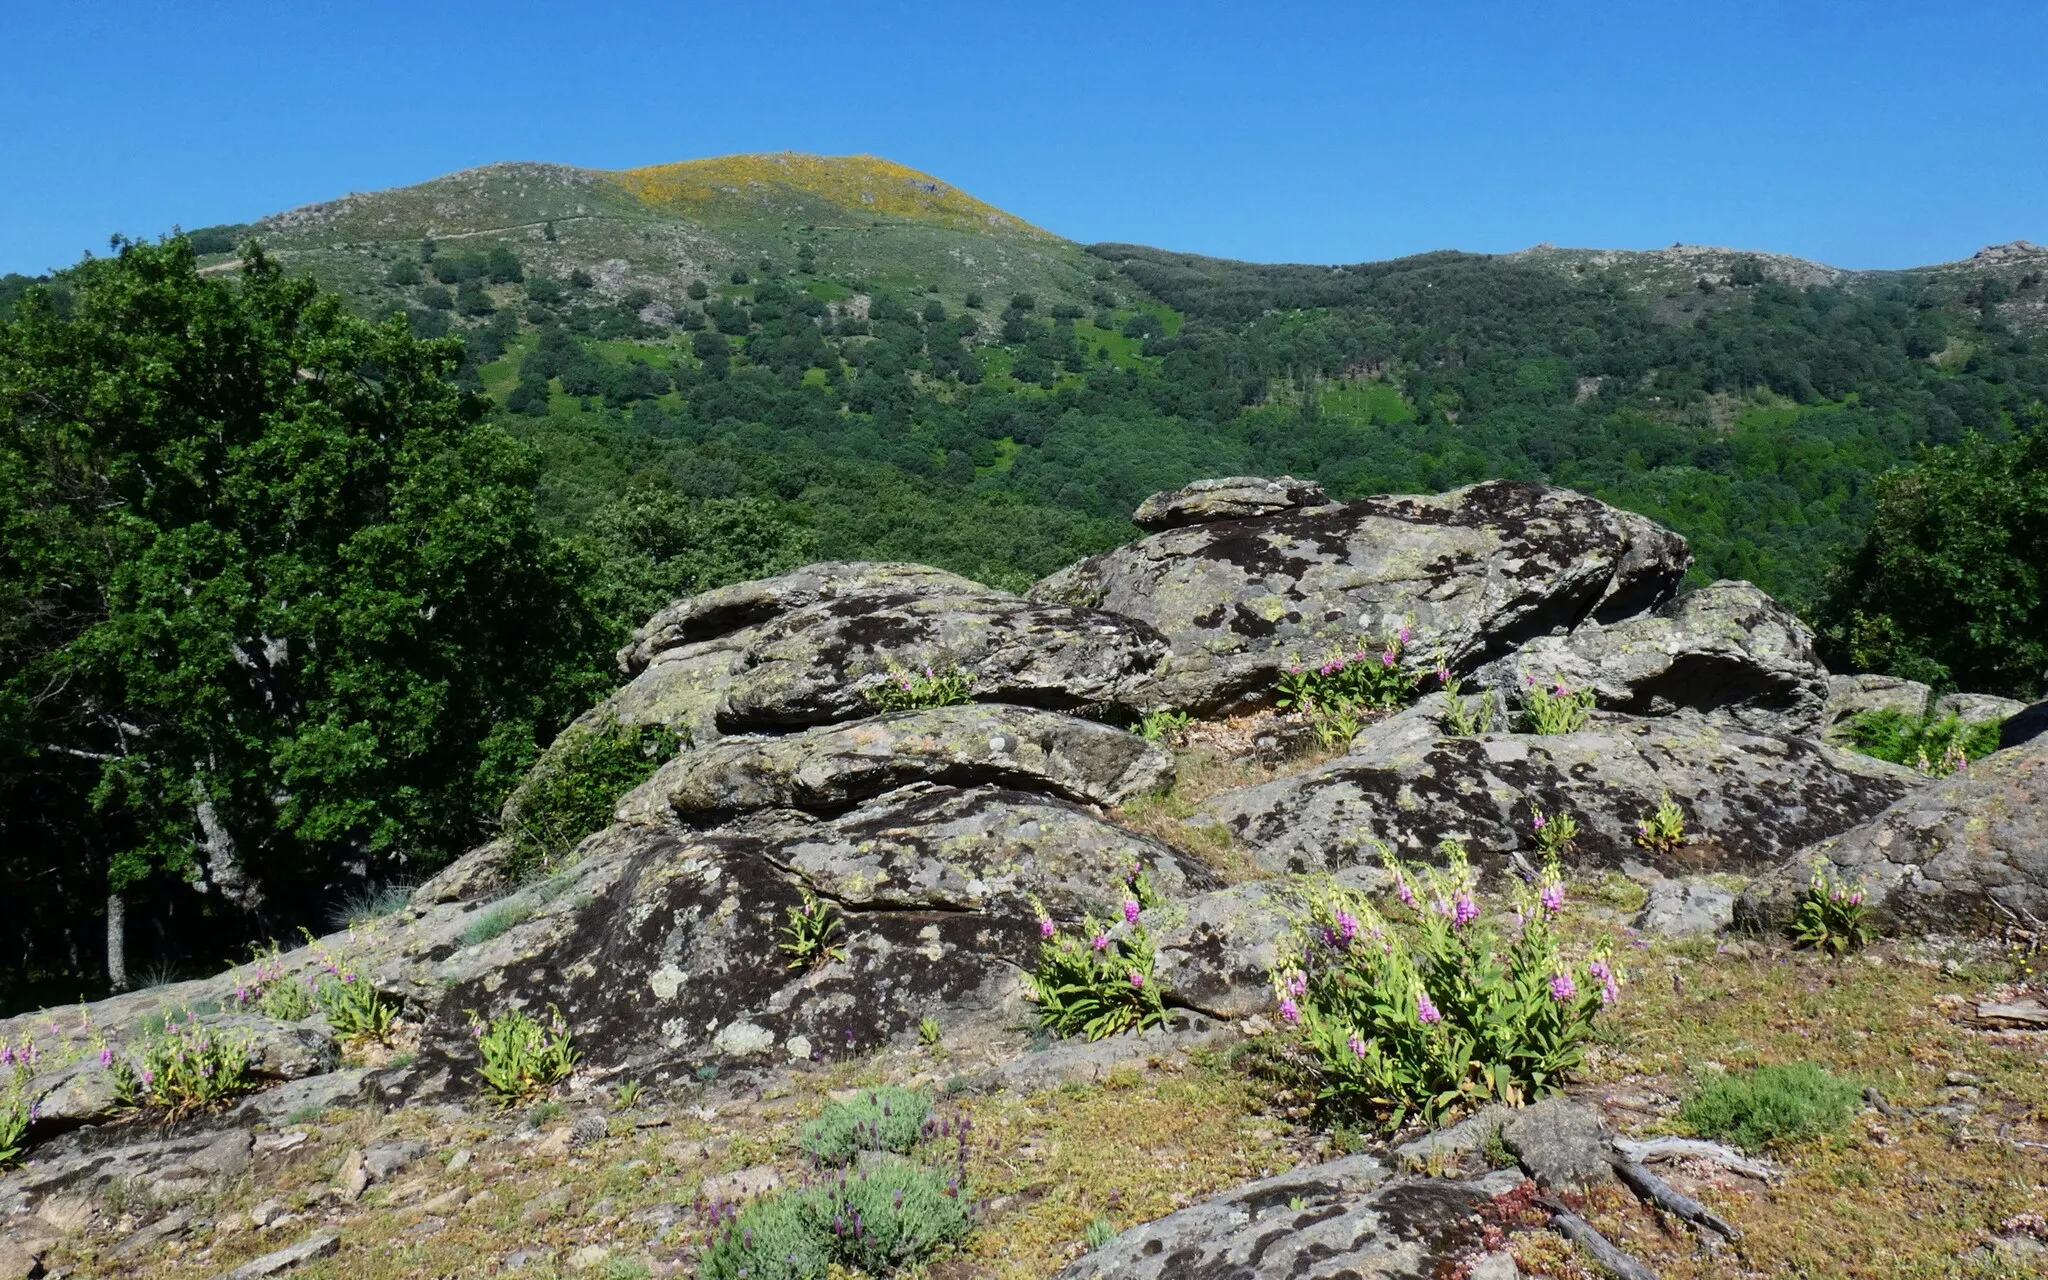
x=292, y=595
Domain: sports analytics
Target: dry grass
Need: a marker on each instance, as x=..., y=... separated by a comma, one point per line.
x=1211, y=759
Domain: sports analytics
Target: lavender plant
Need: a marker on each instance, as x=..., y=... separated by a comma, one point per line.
x=808, y=937
x=884, y=1119
x=1831, y=916
x=1339, y=693
x=521, y=1058
x=1450, y=1008
x=905, y=690
x=1555, y=707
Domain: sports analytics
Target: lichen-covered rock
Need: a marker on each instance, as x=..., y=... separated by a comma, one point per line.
x=1230, y=498
x=1968, y=854
x=816, y=665
x=1687, y=908
x=1476, y=572
x=1727, y=650
x=1561, y=1143
x=1852, y=696
x=1977, y=708
x=834, y=766
x=1749, y=798
x=662, y=948
x=1216, y=950
x=1345, y=1220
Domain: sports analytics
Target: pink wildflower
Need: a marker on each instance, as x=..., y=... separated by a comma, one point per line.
x=106, y=1057
x=1562, y=988
x=1406, y=635
x=1297, y=985
x=1130, y=913
x=1137, y=980
x=1290, y=1010
x=1045, y=928
x=1101, y=942
x=1466, y=911
x=1425, y=1010
x=1538, y=822
x=1553, y=898
x=1387, y=659
x=1609, y=989
x=1357, y=1047
x=1347, y=924
x=1404, y=893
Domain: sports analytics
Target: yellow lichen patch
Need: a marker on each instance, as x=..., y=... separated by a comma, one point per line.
x=863, y=186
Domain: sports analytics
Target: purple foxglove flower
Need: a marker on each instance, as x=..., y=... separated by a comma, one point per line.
x=1443, y=675
x=1290, y=1010
x=1388, y=659
x=1406, y=635
x=1553, y=898
x=1101, y=942
x=1404, y=893
x=106, y=1057
x=1297, y=985
x=1466, y=911
x=1130, y=913
x=1538, y=822
x=1045, y=927
x=1425, y=1010
x=1562, y=988
x=1347, y=924
x=1137, y=981
x=1357, y=1047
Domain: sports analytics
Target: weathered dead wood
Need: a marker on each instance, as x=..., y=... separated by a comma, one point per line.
x=1603, y=1252
x=1694, y=1149
x=1655, y=1191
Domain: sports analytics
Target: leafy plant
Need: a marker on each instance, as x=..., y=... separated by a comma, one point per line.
x=630, y=1093
x=904, y=690
x=879, y=1220
x=807, y=938
x=1555, y=834
x=356, y=1010
x=17, y=1113
x=1339, y=693
x=1449, y=1009
x=1100, y=1231
x=1165, y=725
x=521, y=1058
x=1664, y=830
x=929, y=1032
x=1770, y=1104
x=1555, y=707
x=1939, y=746
x=1831, y=917
x=1099, y=987
x=572, y=792
x=884, y=1119
x=494, y=921
x=184, y=1068
x=1465, y=719
x=270, y=991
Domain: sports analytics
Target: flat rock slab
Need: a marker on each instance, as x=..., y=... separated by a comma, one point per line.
x=1475, y=572
x=1345, y=1220
x=1754, y=798
x=1560, y=1143
x=1968, y=854
x=1687, y=908
x=272, y=1264
x=833, y=767
x=1230, y=498
x=1726, y=650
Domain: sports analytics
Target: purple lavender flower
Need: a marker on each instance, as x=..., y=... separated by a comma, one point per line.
x=1425, y=1010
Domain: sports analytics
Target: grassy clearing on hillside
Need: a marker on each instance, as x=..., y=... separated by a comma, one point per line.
x=1366, y=403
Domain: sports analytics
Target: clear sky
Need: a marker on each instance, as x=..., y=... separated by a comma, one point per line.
x=1873, y=134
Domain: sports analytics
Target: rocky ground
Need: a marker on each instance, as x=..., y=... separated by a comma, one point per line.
x=943, y=834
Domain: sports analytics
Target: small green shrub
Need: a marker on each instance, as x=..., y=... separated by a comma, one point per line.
x=1099, y=987
x=521, y=1058
x=16, y=1114
x=1664, y=830
x=572, y=794
x=1555, y=707
x=1338, y=693
x=1451, y=1009
x=1939, y=747
x=929, y=1032
x=1167, y=726
x=185, y=1068
x=902, y=690
x=1462, y=718
x=878, y=1221
x=269, y=991
x=1831, y=916
x=356, y=1010
x=1556, y=834
x=884, y=1119
x=807, y=938
x=1770, y=1104
x=1100, y=1232
x=496, y=920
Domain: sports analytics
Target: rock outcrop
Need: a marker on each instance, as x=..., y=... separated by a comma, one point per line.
x=1231, y=498
x=1968, y=854
x=1347, y=1218
x=1727, y=650
x=1475, y=572
x=1852, y=696
x=1749, y=798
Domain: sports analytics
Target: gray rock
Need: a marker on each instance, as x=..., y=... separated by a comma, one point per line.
x=152, y=1234
x=281, y=1050
x=1727, y=650
x=270, y=1264
x=1977, y=708
x=1469, y=1136
x=17, y=1262
x=2025, y=726
x=1852, y=696
x=387, y=1158
x=832, y=767
x=1560, y=1143
x=589, y=1128
x=1753, y=797
x=314, y=1093
x=1968, y=854
x=228, y=1156
x=1476, y=572
x=816, y=665
x=1083, y=1062
x=1345, y=1220
x=1687, y=908
x=1230, y=498
x=1216, y=949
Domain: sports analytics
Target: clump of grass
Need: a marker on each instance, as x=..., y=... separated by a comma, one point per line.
x=493, y=921
x=369, y=902
x=1100, y=1232
x=1770, y=1105
x=884, y=1119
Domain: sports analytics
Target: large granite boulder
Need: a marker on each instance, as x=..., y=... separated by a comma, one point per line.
x=1475, y=572
x=1968, y=854
x=2024, y=726
x=1344, y=1220
x=833, y=766
x=1977, y=708
x=1727, y=650
x=1852, y=696
x=1749, y=798
x=1230, y=498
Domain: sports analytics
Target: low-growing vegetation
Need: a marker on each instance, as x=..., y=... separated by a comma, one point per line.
x=520, y=1057
x=1555, y=707
x=1936, y=745
x=1831, y=917
x=183, y=1068
x=1770, y=1105
x=810, y=937
x=889, y=1118
x=1097, y=980
x=905, y=690
x=1341, y=692
x=573, y=793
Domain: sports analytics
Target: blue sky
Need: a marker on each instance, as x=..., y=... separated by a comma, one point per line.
x=1875, y=134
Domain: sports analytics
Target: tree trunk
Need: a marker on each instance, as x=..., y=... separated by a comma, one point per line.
x=117, y=941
